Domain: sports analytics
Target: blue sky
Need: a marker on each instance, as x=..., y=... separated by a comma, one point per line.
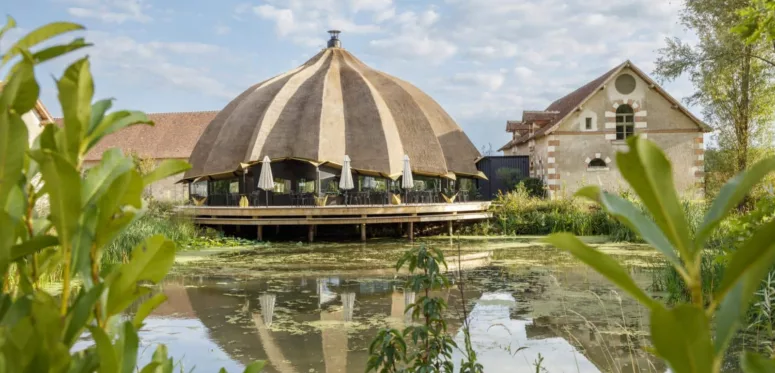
x=484, y=61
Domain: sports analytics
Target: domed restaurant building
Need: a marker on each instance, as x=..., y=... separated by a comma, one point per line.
x=308, y=120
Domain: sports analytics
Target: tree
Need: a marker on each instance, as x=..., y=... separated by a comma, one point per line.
x=758, y=22
x=732, y=79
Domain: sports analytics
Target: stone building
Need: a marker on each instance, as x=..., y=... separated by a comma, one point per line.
x=573, y=142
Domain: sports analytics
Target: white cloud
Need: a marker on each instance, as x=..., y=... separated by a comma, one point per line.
x=222, y=30
x=111, y=11
x=285, y=22
x=414, y=47
x=131, y=59
x=485, y=80
x=370, y=5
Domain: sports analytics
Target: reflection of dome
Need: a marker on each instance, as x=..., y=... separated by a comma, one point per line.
x=330, y=106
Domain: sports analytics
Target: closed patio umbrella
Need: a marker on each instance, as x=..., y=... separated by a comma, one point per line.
x=346, y=179
x=407, y=182
x=265, y=179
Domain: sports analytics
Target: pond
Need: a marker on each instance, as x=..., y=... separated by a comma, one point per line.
x=316, y=308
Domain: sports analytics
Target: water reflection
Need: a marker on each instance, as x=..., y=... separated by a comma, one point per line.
x=326, y=325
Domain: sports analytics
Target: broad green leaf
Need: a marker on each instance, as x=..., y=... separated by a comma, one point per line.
x=22, y=90
x=603, y=264
x=32, y=246
x=255, y=367
x=151, y=260
x=79, y=314
x=166, y=168
x=9, y=24
x=105, y=350
x=39, y=35
x=99, y=178
x=681, y=337
x=76, y=89
x=730, y=195
x=98, y=111
x=146, y=308
x=650, y=175
x=755, y=256
x=63, y=185
x=13, y=145
x=59, y=50
x=755, y=363
x=628, y=214
x=82, y=244
x=128, y=344
x=152, y=367
x=742, y=276
x=126, y=190
x=114, y=122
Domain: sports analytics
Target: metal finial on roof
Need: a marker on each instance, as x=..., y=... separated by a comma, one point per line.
x=334, y=42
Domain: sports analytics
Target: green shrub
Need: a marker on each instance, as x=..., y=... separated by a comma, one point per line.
x=535, y=187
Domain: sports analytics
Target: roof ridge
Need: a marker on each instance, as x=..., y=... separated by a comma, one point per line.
x=171, y=112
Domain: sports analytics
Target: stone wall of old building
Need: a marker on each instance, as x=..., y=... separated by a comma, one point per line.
x=587, y=156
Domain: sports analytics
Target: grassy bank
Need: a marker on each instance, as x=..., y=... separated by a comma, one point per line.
x=520, y=213
x=162, y=219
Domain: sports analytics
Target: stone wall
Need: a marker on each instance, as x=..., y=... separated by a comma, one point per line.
x=656, y=118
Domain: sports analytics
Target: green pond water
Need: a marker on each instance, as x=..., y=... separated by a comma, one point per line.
x=316, y=308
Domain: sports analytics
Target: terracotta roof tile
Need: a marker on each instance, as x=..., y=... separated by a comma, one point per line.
x=172, y=136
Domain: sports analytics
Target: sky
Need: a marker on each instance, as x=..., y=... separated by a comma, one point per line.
x=484, y=61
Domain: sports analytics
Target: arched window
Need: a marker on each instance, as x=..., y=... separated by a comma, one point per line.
x=597, y=163
x=625, y=122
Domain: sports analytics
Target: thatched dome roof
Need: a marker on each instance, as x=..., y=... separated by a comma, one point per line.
x=330, y=106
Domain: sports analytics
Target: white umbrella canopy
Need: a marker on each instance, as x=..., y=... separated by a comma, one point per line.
x=407, y=182
x=346, y=180
x=265, y=179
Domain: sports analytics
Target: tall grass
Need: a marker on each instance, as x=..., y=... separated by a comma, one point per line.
x=160, y=219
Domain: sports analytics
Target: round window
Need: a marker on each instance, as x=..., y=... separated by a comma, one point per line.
x=625, y=84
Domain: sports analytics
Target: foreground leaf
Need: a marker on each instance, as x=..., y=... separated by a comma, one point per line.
x=730, y=195
x=151, y=260
x=603, y=264
x=681, y=337
x=754, y=363
x=628, y=214
x=166, y=168
x=649, y=173
x=743, y=275
x=146, y=308
x=37, y=36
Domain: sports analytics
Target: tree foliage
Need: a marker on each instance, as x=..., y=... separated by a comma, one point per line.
x=88, y=209
x=692, y=336
x=732, y=79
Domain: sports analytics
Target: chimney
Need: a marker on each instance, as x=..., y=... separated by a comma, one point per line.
x=334, y=42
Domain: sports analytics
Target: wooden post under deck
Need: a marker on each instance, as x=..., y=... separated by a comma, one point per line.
x=449, y=226
x=260, y=232
x=363, y=229
x=411, y=231
x=311, y=233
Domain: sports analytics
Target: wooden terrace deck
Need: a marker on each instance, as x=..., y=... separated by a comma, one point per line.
x=341, y=215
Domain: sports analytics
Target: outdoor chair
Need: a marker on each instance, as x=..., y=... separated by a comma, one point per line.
x=308, y=199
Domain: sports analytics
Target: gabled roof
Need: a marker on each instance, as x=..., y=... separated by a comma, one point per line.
x=568, y=104
x=173, y=135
